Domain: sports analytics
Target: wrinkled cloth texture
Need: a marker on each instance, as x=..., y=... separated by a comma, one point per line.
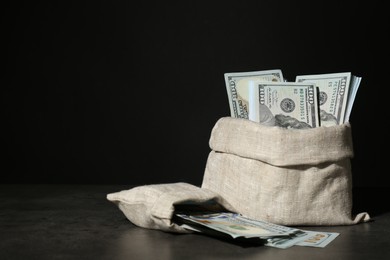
x=283, y=176
x=292, y=177
x=152, y=206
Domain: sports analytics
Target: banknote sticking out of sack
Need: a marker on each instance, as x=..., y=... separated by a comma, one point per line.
x=283, y=176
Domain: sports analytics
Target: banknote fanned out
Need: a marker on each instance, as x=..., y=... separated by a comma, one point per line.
x=237, y=88
x=242, y=229
x=284, y=104
x=335, y=97
x=237, y=225
x=334, y=91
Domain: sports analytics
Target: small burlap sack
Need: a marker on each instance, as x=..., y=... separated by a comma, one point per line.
x=283, y=176
x=152, y=206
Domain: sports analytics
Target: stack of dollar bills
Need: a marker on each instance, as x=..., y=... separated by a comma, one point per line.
x=237, y=228
x=310, y=101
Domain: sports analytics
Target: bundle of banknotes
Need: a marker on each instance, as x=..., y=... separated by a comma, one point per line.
x=240, y=229
x=310, y=101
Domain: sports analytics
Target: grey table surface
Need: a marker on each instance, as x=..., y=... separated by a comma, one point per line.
x=78, y=222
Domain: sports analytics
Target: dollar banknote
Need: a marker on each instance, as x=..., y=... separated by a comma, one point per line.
x=240, y=228
x=317, y=238
x=237, y=88
x=355, y=83
x=303, y=238
x=236, y=225
x=333, y=95
x=284, y=104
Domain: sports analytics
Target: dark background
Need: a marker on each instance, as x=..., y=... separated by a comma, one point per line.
x=113, y=92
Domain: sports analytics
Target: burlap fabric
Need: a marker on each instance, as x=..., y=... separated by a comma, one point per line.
x=152, y=206
x=284, y=176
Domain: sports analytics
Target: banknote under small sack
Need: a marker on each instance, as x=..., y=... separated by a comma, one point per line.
x=283, y=176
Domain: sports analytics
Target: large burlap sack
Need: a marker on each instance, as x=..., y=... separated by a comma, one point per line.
x=283, y=176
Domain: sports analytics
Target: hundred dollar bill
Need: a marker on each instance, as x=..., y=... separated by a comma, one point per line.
x=288, y=241
x=284, y=104
x=317, y=238
x=303, y=238
x=240, y=228
x=236, y=225
x=237, y=88
x=333, y=96
x=355, y=83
